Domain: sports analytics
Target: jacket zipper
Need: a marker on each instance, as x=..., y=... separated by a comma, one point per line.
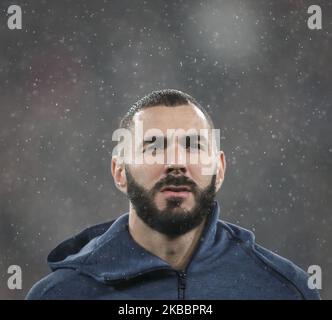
x=181, y=284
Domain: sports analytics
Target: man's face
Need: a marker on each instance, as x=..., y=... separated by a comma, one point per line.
x=172, y=198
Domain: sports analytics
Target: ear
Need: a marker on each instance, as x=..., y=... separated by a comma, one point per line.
x=119, y=174
x=221, y=169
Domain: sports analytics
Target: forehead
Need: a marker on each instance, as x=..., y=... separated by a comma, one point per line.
x=179, y=117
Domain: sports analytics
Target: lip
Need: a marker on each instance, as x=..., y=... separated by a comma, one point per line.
x=175, y=188
x=176, y=191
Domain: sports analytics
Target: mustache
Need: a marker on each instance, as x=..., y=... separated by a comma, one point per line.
x=175, y=181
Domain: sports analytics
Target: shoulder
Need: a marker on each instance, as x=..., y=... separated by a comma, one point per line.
x=283, y=269
x=287, y=270
x=60, y=284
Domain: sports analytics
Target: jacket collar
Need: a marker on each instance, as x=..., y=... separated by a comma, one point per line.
x=116, y=256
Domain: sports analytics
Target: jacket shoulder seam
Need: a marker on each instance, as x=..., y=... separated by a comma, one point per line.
x=259, y=261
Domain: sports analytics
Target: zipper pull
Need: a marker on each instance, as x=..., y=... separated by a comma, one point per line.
x=182, y=276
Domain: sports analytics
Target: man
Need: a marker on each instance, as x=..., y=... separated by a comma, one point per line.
x=171, y=244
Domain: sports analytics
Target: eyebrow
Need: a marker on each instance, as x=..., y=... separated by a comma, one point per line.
x=198, y=137
x=152, y=139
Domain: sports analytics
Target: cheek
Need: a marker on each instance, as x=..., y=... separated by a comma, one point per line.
x=201, y=180
x=204, y=170
x=146, y=175
x=195, y=171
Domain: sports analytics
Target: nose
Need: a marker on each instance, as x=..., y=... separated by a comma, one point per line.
x=176, y=169
x=176, y=160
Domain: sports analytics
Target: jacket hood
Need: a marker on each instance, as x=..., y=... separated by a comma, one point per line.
x=107, y=252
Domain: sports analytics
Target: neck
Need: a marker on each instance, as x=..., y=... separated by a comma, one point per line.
x=175, y=251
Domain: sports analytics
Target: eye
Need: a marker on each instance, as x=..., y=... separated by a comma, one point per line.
x=194, y=143
x=156, y=145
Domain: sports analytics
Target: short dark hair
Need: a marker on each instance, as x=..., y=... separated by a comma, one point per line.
x=167, y=97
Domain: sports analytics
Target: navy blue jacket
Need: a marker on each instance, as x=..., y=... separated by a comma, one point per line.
x=105, y=262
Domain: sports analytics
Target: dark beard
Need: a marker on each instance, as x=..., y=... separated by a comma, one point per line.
x=166, y=221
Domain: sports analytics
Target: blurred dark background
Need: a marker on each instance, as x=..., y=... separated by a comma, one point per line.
x=75, y=68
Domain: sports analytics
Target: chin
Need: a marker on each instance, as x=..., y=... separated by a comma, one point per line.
x=182, y=208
